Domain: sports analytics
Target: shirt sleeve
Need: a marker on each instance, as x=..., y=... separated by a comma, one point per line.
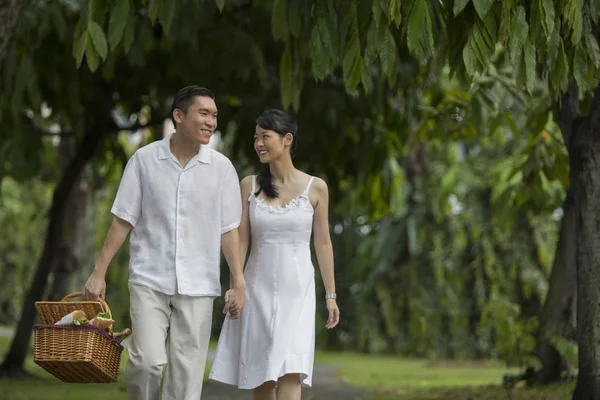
x=128, y=202
x=231, y=202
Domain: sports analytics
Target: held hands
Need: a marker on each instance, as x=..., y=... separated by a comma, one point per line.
x=235, y=300
x=334, y=314
x=95, y=287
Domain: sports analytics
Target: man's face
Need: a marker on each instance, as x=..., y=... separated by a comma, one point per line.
x=200, y=121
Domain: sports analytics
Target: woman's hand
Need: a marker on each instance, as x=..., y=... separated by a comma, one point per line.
x=334, y=314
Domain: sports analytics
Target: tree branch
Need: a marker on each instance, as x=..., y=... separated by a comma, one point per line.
x=115, y=128
x=10, y=12
x=137, y=125
x=56, y=134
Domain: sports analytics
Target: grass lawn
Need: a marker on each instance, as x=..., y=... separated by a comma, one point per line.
x=383, y=377
x=388, y=377
x=47, y=387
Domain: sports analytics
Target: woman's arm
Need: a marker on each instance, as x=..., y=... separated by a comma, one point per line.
x=324, y=248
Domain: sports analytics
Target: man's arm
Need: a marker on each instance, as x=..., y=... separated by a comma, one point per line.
x=244, y=229
x=127, y=209
x=95, y=287
x=231, y=215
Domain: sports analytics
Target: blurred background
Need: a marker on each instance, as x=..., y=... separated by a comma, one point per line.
x=439, y=132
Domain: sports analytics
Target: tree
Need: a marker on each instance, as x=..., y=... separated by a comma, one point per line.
x=358, y=42
x=555, y=39
x=10, y=11
x=125, y=94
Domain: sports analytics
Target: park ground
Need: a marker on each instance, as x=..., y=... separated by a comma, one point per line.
x=337, y=376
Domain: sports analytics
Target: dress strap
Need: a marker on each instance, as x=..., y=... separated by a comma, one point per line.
x=310, y=181
x=252, y=193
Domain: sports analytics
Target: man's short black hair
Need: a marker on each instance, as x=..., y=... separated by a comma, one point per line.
x=184, y=98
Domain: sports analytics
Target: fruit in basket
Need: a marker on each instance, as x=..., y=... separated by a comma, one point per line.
x=77, y=317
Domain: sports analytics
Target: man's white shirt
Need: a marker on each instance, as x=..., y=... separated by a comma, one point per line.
x=178, y=216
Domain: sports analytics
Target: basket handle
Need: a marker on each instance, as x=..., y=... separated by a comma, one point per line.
x=104, y=304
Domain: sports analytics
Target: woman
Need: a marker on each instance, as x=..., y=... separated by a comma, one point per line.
x=270, y=349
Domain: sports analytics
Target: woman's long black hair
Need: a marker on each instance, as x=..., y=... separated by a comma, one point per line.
x=282, y=123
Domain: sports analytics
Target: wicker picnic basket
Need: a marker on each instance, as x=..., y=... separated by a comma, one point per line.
x=76, y=354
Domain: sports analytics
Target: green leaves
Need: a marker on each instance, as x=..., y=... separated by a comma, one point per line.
x=559, y=76
x=459, y=5
x=530, y=65
x=118, y=19
x=394, y=12
x=547, y=15
x=481, y=45
x=294, y=18
x=352, y=60
x=92, y=58
x=595, y=9
x=153, y=8
x=279, y=20
x=573, y=14
x=322, y=48
x=352, y=64
x=163, y=11
x=220, y=5
x=98, y=39
x=388, y=55
x=419, y=30
x=319, y=54
x=381, y=47
x=591, y=45
x=92, y=43
x=483, y=7
x=129, y=33
x=520, y=32
x=582, y=70
x=167, y=13
x=79, y=48
x=286, y=77
x=337, y=35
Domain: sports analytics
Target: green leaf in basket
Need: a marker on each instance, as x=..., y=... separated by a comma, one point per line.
x=104, y=315
x=81, y=321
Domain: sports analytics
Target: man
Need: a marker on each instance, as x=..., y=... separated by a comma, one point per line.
x=181, y=201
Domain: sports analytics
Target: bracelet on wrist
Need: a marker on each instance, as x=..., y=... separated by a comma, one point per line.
x=330, y=296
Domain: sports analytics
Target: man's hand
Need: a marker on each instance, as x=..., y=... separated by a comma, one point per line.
x=95, y=287
x=235, y=299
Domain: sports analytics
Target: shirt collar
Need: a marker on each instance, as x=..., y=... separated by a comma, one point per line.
x=164, y=151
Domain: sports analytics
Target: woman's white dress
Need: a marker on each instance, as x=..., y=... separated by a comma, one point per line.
x=275, y=334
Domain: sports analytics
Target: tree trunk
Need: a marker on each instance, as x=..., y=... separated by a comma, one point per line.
x=67, y=260
x=15, y=358
x=584, y=156
x=10, y=11
x=558, y=316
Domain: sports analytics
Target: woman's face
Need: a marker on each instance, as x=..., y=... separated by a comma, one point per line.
x=269, y=145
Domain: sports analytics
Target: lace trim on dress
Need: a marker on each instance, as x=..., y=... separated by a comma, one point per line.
x=294, y=204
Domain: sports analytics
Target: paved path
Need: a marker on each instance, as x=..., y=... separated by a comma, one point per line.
x=6, y=331
x=326, y=386
x=326, y=383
